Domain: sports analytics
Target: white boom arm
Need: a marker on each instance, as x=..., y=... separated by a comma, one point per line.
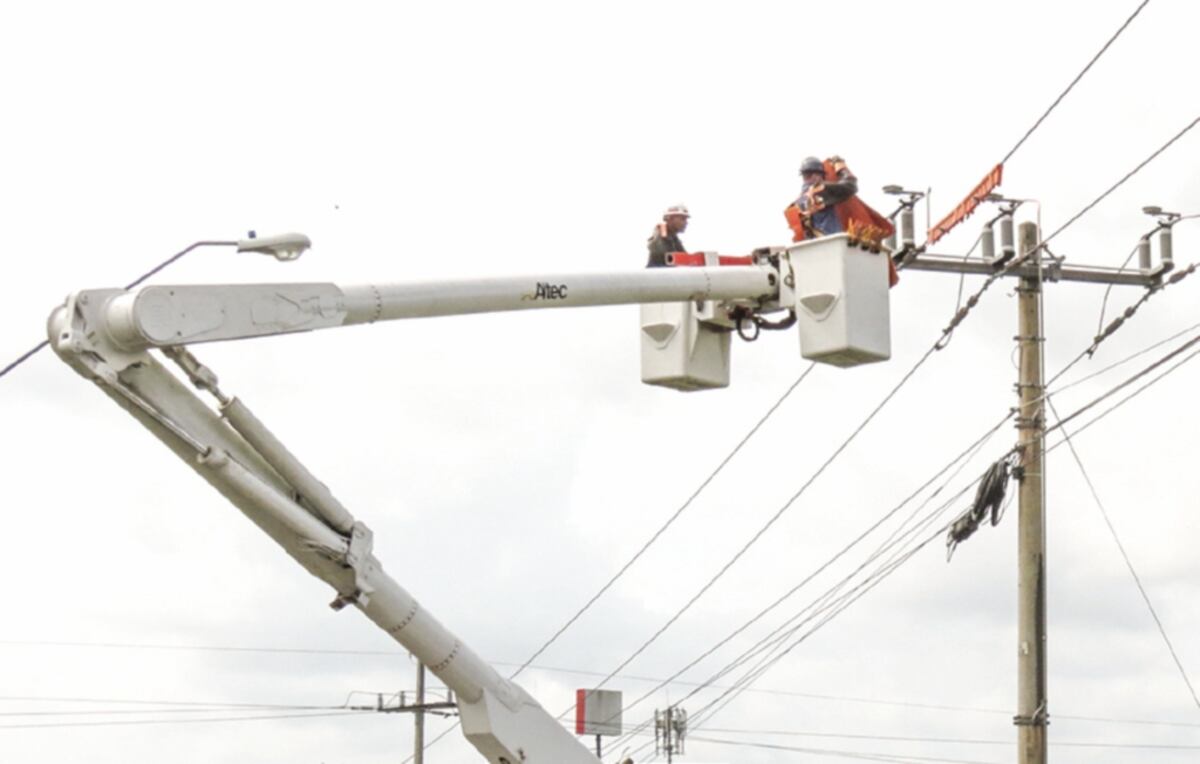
x=106, y=335
x=178, y=315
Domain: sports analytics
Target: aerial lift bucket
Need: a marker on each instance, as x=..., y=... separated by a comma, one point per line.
x=681, y=349
x=842, y=306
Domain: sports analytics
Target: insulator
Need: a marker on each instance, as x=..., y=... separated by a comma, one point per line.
x=1164, y=248
x=1008, y=247
x=987, y=240
x=908, y=237
x=1143, y=250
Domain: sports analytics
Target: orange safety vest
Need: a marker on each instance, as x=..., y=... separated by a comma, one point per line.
x=852, y=211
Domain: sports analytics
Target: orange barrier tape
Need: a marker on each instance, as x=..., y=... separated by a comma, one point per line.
x=968, y=205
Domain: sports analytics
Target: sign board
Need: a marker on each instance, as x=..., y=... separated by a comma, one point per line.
x=598, y=712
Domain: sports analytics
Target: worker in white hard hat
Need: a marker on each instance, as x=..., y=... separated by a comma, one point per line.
x=665, y=237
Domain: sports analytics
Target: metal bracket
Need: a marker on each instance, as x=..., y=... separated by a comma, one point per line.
x=358, y=559
x=1039, y=719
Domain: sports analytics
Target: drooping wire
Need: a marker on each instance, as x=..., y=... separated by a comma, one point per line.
x=1108, y=289
x=1074, y=82
x=1128, y=562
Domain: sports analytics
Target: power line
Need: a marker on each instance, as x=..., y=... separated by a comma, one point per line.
x=1111, y=366
x=225, y=705
x=831, y=609
x=771, y=522
x=1128, y=398
x=147, y=722
x=862, y=756
x=1128, y=563
x=662, y=529
x=837, y=605
x=196, y=703
x=1075, y=81
x=1120, y=182
x=1177, y=351
x=948, y=741
x=36, y=348
x=767, y=663
x=780, y=600
x=704, y=484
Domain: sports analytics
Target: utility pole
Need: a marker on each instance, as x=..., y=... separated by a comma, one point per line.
x=419, y=717
x=1032, y=714
x=1034, y=268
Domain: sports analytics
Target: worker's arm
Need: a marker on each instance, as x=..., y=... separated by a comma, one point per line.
x=841, y=189
x=659, y=245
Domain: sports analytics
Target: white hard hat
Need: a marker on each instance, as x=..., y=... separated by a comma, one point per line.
x=677, y=209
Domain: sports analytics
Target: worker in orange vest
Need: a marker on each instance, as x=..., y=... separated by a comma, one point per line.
x=665, y=237
x=829, y=204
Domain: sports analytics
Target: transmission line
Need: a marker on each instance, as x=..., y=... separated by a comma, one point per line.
x=1074, y=82
x=662, y=529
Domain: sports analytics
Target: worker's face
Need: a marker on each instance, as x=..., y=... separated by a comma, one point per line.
x=677, y=223
x=813, y=177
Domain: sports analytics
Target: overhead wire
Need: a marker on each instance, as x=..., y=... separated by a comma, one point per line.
x=1141, y=374
x=155, y=722
x=1074, y=82
x=1129, y=397
x=822, y=606
x=1057, y=376
x=653, y=538
x=1121, y=182
x=1112, y=391
x=962, y=458
x=943, y=741
x=767, y=526
x=962, y=312
x=828, y=610
x=670, y=520
x=763, y=667
x=836, y=753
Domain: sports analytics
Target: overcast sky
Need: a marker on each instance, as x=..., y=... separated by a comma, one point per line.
x=510, y=464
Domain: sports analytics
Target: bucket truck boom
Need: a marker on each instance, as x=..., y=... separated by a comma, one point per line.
x=108, y=335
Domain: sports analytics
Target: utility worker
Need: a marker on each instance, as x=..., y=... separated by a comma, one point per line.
x=665, y=237
x=820, y=195
x=829, y=204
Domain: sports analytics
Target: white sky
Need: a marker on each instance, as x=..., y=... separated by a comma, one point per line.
x=510, y=464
